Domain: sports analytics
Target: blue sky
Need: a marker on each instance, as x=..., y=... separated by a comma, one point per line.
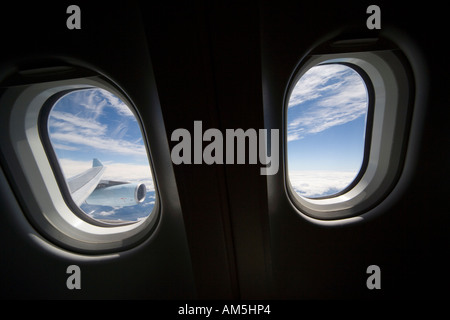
x=326, y=119
x=94, y=123
x=94, y=120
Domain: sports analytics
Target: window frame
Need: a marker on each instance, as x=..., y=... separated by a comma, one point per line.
x=32, y=173
x=387, y=72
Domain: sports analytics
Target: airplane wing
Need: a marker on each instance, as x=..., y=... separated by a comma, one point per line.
x=89, y=187
x=83, y=184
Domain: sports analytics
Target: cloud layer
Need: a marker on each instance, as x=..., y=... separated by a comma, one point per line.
x=314, y=184
x=80, y=123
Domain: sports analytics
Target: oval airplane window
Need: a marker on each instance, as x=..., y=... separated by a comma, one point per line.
x=326, y=131
x=105, y=175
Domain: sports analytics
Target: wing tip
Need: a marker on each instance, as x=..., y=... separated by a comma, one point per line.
x=96, y=163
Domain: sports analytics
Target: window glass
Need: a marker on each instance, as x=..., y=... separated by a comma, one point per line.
x=100, y=149
x=326, y=124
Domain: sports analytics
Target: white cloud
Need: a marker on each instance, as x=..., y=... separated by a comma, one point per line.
x=96, y=100
x=64, y=147
x=131, y=172
x=102, y=143
x=78, y=128
x=338, y=95
x=313, y=83
x=320, y=183
x=91, y=101
x=116, y=103
x=103, y=213
x=67, y=121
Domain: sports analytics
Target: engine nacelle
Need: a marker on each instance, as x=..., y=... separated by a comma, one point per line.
x=121, y=195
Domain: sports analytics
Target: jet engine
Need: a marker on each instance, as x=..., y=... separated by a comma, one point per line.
x=121, y=195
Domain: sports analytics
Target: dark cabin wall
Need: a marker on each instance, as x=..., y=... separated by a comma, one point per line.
x=112, y=43
x=409, y=240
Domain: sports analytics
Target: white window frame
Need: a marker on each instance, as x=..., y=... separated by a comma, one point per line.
x=391, y=93
x=45, y=205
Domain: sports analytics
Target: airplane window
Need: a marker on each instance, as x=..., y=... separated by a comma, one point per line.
x=99, y=147
x=326, y=130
